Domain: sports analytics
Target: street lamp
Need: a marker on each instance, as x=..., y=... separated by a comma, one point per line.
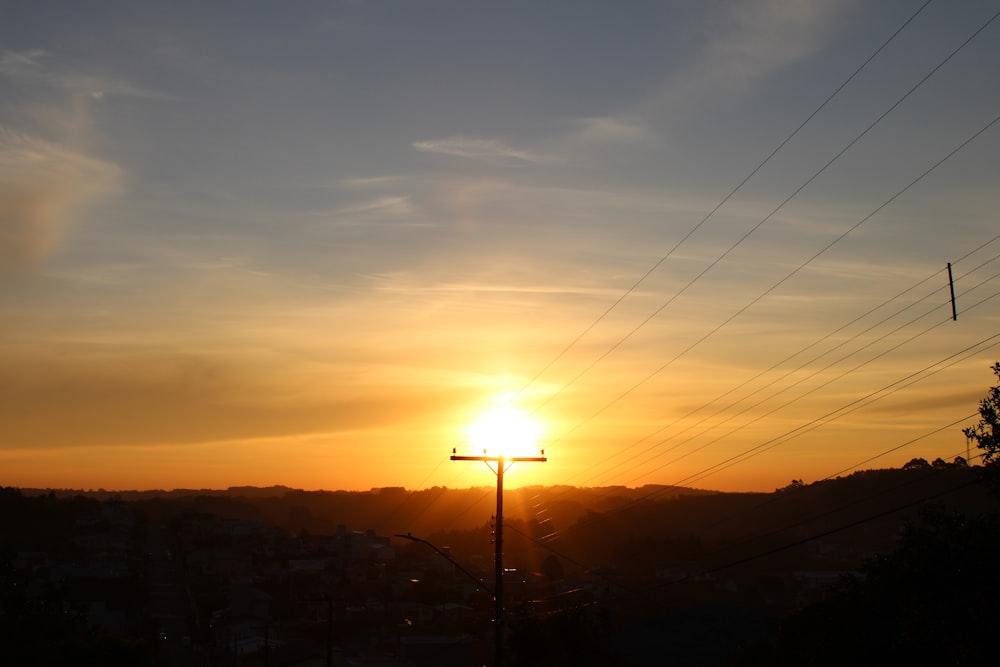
x=451, y=560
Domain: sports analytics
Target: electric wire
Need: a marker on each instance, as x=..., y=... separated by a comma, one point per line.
x=644, y=592
x=827, y=512
x=798, y=430
x=813, y=374
x=723, y=201
x=821, y=534
x=759, y=224
x=782, y=362
x=851, y=407
x=738, y=458
x=899, y=193
x=824, y=513
x=818, y=173
x=858, y=404
x=854, y=468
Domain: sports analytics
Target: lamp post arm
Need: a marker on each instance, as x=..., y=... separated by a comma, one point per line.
x=451, y=560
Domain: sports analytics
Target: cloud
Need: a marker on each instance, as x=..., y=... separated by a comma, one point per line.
x=391, y=204
x=373, y=181
x=43, y=187
x=30, y=66
x=127, y=397
x=393, y=210
x=477, y=149
x=609, y=129
x=752, y=41
x=24, y=63
x=745, y=43
x=767, y=35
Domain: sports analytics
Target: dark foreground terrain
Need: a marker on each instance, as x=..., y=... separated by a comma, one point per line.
x=880, y=564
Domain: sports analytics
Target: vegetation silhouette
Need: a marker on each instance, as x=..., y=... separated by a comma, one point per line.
x=929, y=601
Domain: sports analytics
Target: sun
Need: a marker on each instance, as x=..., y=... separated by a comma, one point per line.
x=505, y=431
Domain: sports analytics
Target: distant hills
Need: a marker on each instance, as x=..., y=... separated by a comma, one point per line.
x=864, y=510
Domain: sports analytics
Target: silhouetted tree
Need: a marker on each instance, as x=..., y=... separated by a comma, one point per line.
x=926, y=603
x=986, y=434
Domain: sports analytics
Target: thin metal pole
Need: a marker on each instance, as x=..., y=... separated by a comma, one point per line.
x=451, y=560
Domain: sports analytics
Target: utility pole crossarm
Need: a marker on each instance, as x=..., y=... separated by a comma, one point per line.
x=497, y=459
x=501, y=461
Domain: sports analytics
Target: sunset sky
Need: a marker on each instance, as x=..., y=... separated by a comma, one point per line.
x=309, y=243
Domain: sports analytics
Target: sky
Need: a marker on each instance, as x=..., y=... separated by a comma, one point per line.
x=310, y=243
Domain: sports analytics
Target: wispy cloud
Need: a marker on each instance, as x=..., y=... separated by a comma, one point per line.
x=393, y=205
x=397, y=283
x=748, y=42
x=43, y=186
x=23, y=63
x=758, y=38
x=373, y=181
x=394, y=210
x=751, y=41
x=31, y=65
x=478, y=149
x=610, y=129
x=154, y=397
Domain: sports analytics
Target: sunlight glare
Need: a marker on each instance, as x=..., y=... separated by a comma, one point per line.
x=506, y=431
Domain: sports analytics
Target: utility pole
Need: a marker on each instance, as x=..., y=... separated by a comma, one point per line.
x=951, y=286
x=502, y=463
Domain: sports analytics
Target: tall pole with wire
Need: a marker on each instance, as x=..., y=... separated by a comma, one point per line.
x=502, y=464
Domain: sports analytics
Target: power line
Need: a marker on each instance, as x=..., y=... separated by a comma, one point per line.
x=891, y=199
x=772, y=497
x=827, y=511
x=825, y=533
x=898, y=102
x=772, y=382
x=757, y=226
x=846, y=409
x=785, y=360
x=773, y=442
x=821, y=386
x=719, y=205
x=783, y=547
x=901, y=446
